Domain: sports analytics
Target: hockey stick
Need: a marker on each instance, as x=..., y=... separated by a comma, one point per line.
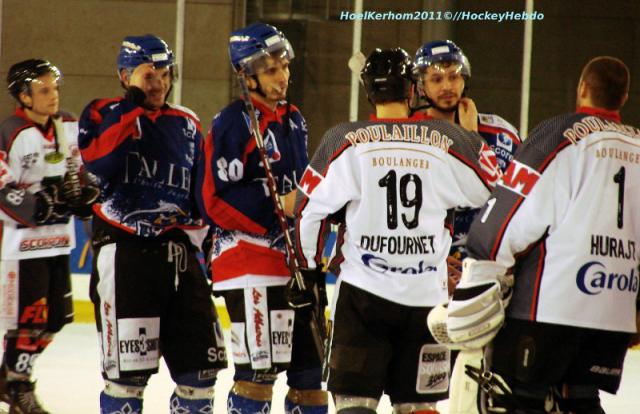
x=317, y=324
x=72, y=167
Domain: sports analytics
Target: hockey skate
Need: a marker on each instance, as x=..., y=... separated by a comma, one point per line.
x=23, y=398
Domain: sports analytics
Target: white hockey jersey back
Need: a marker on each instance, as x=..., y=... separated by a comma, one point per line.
x=565, y=215
x=394, y=181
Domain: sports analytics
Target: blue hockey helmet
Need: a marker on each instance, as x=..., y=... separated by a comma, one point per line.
x=249, y=46
x=438, y=51
x=387, y=75
x=136, y=50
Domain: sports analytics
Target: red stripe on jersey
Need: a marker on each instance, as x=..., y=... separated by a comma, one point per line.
x=181, y=114
x=112, y=137
x=301, y=259
x=513, y=210
x=248, y=258
x=320, y=242
x=17, y=218
x=13, y=138
x=304, y=203
x=94, y=111
x=97, y=209
x=339, y=257
x=503, y=228
x=602, y=113
x=536, y=289
x=218, y=210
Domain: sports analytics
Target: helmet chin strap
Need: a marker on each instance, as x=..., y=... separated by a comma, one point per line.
x=258, y=89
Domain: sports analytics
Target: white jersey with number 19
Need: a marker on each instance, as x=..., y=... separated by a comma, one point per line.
x=394, y=180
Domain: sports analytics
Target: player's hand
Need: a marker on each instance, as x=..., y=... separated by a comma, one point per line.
x=313, y=295
x=142, y=75
x=468, y=114
x=288, y=202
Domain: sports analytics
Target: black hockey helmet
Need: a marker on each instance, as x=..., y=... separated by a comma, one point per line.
x=23, y=73
x=387, y=75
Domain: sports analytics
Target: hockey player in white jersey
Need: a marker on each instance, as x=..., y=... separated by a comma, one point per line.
x=394, y=178
x=39, y=152
x=564, y=220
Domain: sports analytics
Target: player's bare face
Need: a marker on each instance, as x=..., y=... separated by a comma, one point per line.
x=444, y=84
x=155, y=82
x=274, y=79
x=44, y=99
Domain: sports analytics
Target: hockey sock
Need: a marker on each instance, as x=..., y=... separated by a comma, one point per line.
x=250, y=398
x=121, y=398
x=22, y=348
x=193, y=394
x=306, y=402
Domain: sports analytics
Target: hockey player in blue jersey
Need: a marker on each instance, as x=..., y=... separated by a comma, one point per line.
x=444, y=72
x=247, y=256
x=150, y=294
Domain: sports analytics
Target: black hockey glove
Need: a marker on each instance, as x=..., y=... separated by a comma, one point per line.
x=44, y=205
x=135, y=95
x=50, y=207
x=80, y=192
x=315, y=294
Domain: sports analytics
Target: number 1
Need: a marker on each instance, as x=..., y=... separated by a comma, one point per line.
x=619, y=179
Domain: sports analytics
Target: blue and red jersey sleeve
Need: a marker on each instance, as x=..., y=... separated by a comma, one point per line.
x=231, y=197
x=108, y=128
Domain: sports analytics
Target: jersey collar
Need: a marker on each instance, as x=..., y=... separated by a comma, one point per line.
x=267, y=114
x=602, y=113
x=418, y=116
x=48, y=131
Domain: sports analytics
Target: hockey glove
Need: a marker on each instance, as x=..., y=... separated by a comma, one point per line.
x=477, y=308
x=80, y=192
x=314, y=295
x=44, y=206
x=51, y=208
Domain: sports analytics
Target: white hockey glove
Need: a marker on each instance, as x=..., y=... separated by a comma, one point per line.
x=476, y=309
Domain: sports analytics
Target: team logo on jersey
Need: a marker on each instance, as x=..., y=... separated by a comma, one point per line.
x=489, y=168
x=271, y=146
x=593, y=278
x=309, y=181
x=503, y=140
x=519, y=178
x=380, y=265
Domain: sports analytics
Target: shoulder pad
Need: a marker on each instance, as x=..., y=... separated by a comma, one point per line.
x=185, y=110
x=496, y=121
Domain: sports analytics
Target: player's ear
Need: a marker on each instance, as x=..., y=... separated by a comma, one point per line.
x=124, y=77
x=26, y=99
x=251, y=83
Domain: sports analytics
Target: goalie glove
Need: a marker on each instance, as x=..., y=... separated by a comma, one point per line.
x=477, y=308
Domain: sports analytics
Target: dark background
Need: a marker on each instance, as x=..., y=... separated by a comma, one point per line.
x=82, y=37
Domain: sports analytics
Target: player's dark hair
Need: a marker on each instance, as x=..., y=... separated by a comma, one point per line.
x=607, y=78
